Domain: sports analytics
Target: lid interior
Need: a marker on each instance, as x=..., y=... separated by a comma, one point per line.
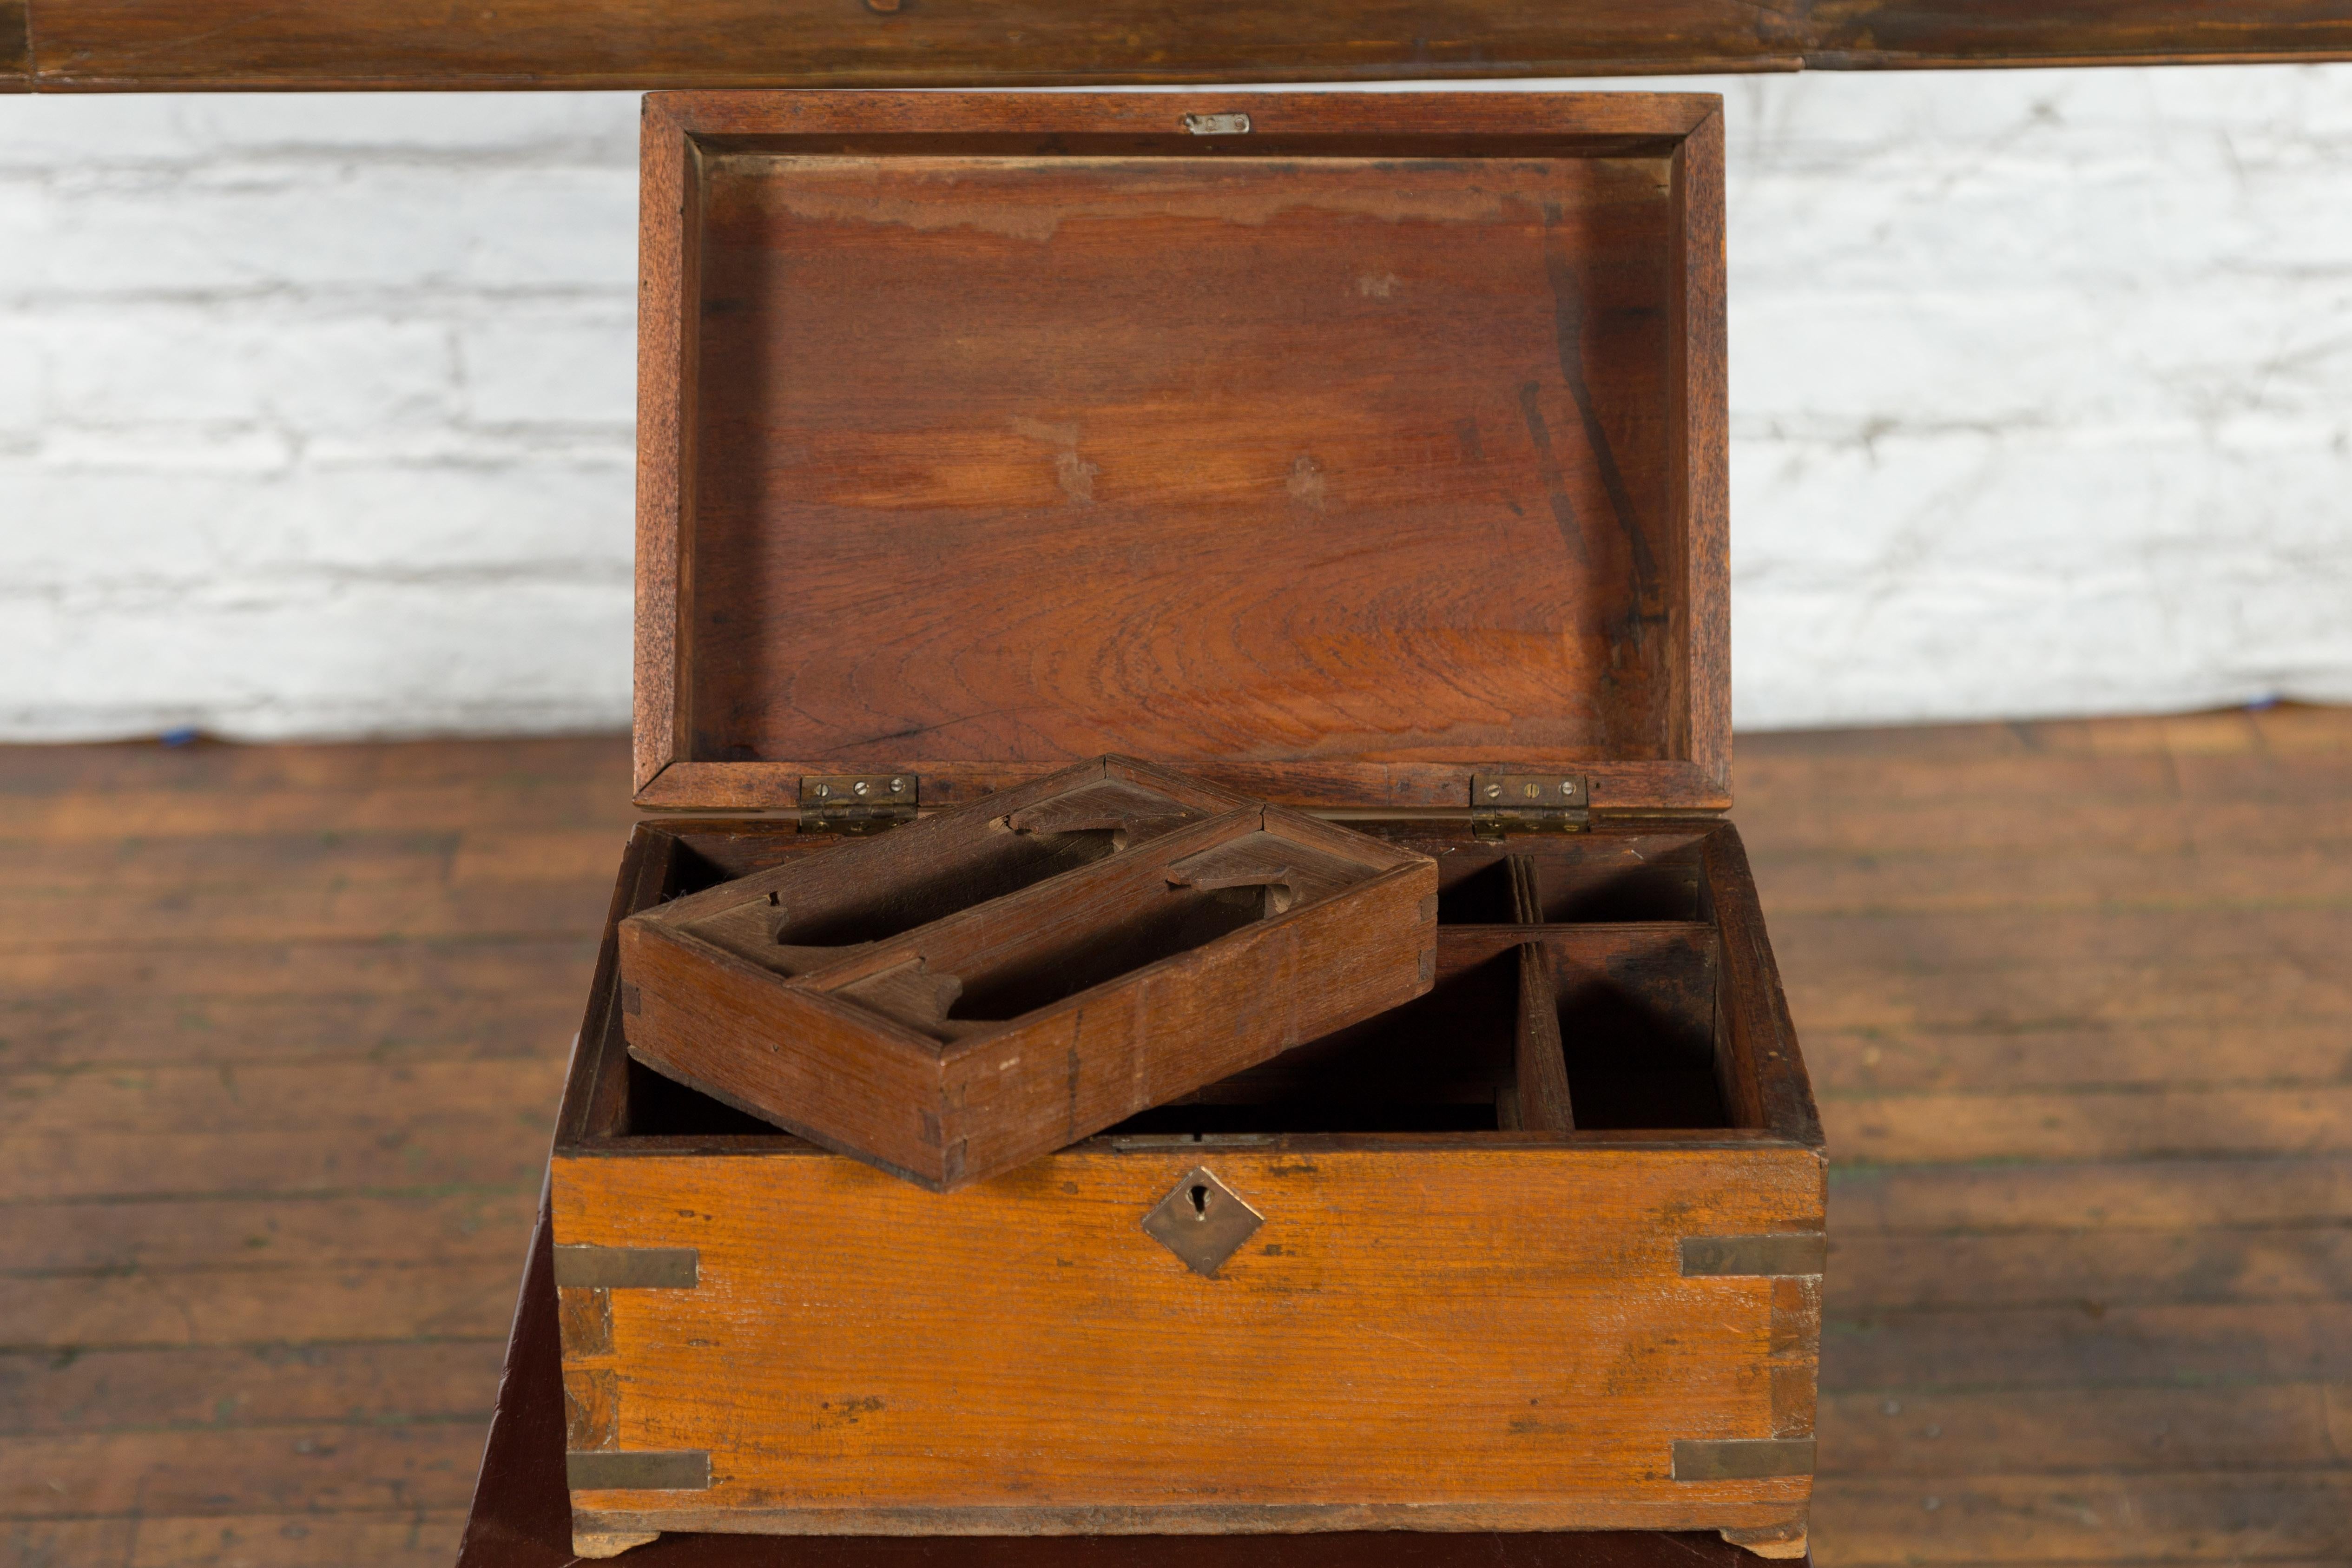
x=1333, y=475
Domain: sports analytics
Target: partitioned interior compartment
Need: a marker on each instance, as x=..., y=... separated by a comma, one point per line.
x=1031, y=950
x=1621, y=878
x=1627, y=1011
x=1041, y=975
x=856, y=910
x=1439, y=1063
x=1560, y=880
x=1636, y=1008
x=1476, y=887
x=797, y=918
x=1635, y=1004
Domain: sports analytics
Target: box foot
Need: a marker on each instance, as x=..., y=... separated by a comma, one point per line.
x=1778, y=1542
x=609, y=1542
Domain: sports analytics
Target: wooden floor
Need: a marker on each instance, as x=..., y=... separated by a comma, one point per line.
x=2077, y=999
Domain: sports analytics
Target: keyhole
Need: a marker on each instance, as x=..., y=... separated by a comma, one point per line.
x=774, y=902
x=1199, y=1202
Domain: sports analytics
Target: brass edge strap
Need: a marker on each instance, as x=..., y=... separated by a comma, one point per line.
x=658, y=1470
x=1741, y=1459
x=1805, y=1252
x=629, y=1267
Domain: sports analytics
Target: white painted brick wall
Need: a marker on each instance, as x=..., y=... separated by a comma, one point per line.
x=315, y=412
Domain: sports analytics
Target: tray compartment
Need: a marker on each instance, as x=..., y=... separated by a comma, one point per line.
x=1635, y=1008
x=1529, y=1028
x=1443, y=1062
x=1477, y=884
x=1174, y=935
x=996, y=962
x=1636, y=876
x=798, y=919
x=1561, y=879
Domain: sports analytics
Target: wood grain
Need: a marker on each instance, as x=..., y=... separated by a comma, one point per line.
x=2092, y=1051
x=1082, y=1410
x=298, y=1539
x=352, y=1468
x=522, y=1513
x=126, y=1237
x=2221, y=1267
x=952, y=473
x=2079, y=1432
x=2090, y=1125
x=2288, y=1517
x=101, y=45
x=270, y=1382
x=2157, y=1194
x=245, y=1306
x=2096, y=1270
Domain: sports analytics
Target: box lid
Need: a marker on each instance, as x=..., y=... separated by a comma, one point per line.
x=1332, y=446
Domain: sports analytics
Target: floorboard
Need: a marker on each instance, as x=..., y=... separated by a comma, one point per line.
x=2076, y=997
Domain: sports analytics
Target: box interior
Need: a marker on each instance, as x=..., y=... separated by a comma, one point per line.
x=1611, y=938
x=1007, y=454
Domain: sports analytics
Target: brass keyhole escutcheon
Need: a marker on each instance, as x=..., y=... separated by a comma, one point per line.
x=1202, y=1221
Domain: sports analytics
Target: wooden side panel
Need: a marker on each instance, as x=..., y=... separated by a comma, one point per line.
x=1700, y=448
x=594, y=1088
x=669, y=249
x=716, y=1022
x=1764, y=1061
x=1499, y=1338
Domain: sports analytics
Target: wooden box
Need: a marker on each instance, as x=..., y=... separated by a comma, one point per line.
x=992, y=983
x=1360, y=453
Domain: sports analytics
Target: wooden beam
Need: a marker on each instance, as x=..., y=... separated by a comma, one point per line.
x=1900, y=32
x=197, y=44
x=16, y=48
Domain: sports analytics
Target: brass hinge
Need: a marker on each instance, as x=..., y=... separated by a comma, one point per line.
x=1502, y=804
x=857, y=802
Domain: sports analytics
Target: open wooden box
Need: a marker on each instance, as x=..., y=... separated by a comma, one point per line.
x=1363, y=453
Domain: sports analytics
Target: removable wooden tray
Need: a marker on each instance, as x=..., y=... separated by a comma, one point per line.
x=986, y=984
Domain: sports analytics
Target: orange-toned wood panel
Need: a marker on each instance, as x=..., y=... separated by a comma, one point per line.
x=1507, y=1308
